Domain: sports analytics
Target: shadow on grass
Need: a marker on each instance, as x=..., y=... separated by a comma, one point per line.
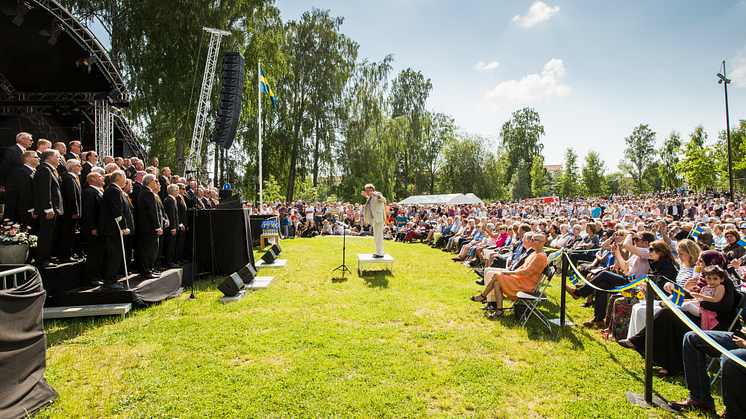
x=377, y=279
x=62, y=330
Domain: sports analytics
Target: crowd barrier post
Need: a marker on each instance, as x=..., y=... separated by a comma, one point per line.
x=647, y=399
x=564, y=266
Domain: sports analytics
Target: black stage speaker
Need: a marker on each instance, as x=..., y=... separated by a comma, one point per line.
x=272, y=254
x=231, y=286
x=246, y=274
x=229, y=107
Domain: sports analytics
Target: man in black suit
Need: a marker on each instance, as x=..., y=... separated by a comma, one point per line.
x=71, y=198
x=113, y=219
x=129, y=214
x=162, y=238
x=62, y=149
x=183, y=226
x=47, y=204
x=172, y=211
x=163, y=180
x=12, y=159
x=19, y=205
x=91, y=160
x=91, y=207
x=134, y=197
x=74, y=151
x=150, y=226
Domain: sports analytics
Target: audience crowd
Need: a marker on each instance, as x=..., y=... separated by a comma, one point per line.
x=610, y=241
x=59, y=190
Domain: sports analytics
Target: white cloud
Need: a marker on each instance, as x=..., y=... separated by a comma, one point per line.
x=482, y=66
x=538, y=12
x=737, y=72
x=533, y=86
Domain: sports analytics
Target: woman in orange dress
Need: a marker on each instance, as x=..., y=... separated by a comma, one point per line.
x=523, y=279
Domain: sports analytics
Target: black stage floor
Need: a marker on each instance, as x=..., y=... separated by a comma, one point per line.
x=65, y=287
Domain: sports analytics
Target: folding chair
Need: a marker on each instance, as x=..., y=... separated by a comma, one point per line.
x=740, y=306
x=531, y=299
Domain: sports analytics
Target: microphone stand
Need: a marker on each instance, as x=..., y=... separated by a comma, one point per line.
x=343, y=267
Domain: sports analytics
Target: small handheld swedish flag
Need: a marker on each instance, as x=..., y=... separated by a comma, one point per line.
x=264, y=86
x=742, y=242
x=574, y=280
x=696, y=231
x=677, y=295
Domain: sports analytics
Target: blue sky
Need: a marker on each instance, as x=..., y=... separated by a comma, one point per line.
x=594, y=70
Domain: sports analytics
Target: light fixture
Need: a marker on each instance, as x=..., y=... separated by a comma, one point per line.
x=19, y=12
x=723, y=79
x=52, y=33
x=85, y=62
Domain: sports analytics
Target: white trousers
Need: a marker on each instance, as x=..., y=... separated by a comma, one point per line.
x=378, y=236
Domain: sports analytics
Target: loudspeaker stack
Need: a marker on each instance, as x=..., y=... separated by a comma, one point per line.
x=231, y=92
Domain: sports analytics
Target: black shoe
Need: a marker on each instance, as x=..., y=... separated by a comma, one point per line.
x=156, y=274
x=479, y=272
x=490, y=306
x=444, y=250
x=68, y=260
x=173, y=266
x=377, y=256
x=480, y=282
x=114, y=286
x=96, y=283
x=46, y=265
x=147, y=276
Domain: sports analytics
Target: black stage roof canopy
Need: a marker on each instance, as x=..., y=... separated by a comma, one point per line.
x=52, y=70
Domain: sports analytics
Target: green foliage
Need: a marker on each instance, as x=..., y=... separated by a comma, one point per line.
x=699, y=165
x=538, y=176
x=463, y=165
x=669, y=155
x=272, y=189
x=520, y=139
x=594, y=182
x=738, y=151
x=520, y=185
x=568, y=184
x=652, y=178
x=306, y=191
x=639, y=155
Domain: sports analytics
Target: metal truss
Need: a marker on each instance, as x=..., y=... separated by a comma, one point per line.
x=128, y=135
x=104, y=128
x=52, y=97
x=195, y=151
x=5, y=85
x=88, y=42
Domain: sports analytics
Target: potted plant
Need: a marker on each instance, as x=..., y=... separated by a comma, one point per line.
x=14, y=243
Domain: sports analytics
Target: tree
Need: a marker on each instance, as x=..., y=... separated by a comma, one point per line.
x=593, y=170
x=538, y=177
x=520, y=184
x=437, y=130
x=738, y=151
x=567, y=184
x=463, y=164
x=669, y=155
x=409, y=93
x=639, y=155
x=520, y=139
x=699, y=165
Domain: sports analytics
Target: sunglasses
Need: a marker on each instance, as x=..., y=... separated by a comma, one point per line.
x=651, y=249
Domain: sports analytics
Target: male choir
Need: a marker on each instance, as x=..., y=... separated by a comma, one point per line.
x=124, y=211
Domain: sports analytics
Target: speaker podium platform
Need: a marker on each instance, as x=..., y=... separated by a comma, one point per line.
x=277, y=263
x=367, y=258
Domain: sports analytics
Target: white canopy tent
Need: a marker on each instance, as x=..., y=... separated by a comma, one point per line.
x=449, y=199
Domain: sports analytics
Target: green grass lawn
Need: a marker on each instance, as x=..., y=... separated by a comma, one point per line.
x=314, y=345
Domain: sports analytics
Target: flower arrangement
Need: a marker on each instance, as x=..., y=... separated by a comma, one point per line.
x=11, y=233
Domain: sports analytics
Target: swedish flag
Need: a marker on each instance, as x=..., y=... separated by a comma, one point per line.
x=264, y=86
x=742, y=242
x=574, y=280
x=677, y=295
x=696, y=231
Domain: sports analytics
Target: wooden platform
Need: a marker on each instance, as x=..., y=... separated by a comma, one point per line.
x=278, y=263
x=87, y=311
x=363, y=259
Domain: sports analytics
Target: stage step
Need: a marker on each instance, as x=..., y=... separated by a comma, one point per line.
x=87, y=311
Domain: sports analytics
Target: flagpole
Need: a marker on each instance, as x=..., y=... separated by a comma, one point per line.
x=259, y=123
